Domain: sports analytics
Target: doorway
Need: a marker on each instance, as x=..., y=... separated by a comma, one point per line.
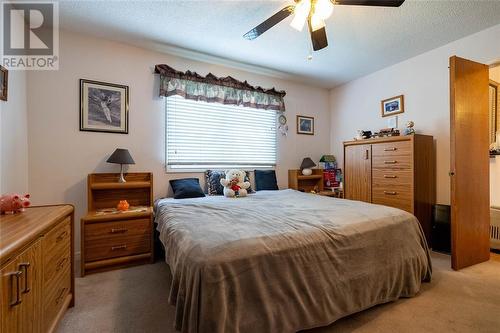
x=494, y=135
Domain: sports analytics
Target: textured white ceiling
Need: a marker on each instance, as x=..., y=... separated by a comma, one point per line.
x=361, y=39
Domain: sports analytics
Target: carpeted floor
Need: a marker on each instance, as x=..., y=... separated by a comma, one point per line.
x=495, y=256
x=135, y=300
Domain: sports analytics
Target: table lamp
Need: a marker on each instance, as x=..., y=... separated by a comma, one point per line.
x=306, y=166
x=121, y=156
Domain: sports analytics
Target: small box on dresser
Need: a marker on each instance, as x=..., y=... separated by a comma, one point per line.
x=112, y=239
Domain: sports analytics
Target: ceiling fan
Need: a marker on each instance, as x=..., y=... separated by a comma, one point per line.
x=314, y=12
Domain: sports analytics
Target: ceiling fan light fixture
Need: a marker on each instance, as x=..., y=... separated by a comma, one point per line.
x=324, y=8
x=317, y=22
x=301, y=12
x=298, y=23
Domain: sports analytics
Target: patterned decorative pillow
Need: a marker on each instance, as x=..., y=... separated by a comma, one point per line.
x=213, y=185
x=212, y=181
x=247, y=179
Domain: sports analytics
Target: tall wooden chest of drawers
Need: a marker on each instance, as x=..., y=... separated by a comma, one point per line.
x=394, y=171
x=36, y=268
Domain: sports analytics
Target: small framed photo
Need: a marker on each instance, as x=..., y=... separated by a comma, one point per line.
x=4, y=83
x=103, y=107
x=305, y=125
x=393, y=106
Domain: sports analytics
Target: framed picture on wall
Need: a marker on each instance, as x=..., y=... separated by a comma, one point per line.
x=4, y=83
x=103, y=107
x=305, y=125
x=393, y=106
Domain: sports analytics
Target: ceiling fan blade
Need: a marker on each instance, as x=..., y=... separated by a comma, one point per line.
x=318, y=37
x=383, y=3
x=269, y=23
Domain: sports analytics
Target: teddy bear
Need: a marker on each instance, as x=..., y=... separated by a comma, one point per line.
x=14, y=203
x=234, y=183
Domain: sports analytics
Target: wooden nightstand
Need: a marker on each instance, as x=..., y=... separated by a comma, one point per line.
x=112, y=239
x=299, y=182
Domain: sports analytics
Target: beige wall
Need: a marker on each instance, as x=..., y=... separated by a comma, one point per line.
x=495, y=162
x=14, y=137
x=424, y=80
x=61, y=156
x=495, y=73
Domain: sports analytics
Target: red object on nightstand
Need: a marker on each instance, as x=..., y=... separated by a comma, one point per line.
x=123, y=205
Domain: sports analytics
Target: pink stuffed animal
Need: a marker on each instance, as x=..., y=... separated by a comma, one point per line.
x=14, y=203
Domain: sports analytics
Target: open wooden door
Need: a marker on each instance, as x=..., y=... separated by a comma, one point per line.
x=470, y=175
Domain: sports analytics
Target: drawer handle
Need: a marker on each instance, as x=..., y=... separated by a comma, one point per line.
x=390, y=192
x=118, y=230
x=61, y=294
x=391, y=149
x=390, y=176
x=61, y=264
x=25, y=267
x=61, y=236
x=118, y=247
x=390, y=162
x=16, y=276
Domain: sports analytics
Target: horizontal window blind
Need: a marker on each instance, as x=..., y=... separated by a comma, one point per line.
x=202, y=135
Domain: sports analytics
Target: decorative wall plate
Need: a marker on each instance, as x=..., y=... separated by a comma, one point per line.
x=282, y=119
x=282, y=127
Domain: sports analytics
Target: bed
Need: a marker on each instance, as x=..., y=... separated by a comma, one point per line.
x=284, y=261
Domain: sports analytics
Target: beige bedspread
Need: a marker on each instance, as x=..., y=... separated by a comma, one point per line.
x=283, y=261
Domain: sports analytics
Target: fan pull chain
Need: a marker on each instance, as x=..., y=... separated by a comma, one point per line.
x=310, y=55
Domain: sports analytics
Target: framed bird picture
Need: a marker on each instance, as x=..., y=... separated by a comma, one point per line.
x=103, y=107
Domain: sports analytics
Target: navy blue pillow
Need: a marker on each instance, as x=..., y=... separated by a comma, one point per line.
x=265, y=180
x=186, y=188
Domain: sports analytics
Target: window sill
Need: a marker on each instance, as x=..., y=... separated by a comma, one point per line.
x=169, y=170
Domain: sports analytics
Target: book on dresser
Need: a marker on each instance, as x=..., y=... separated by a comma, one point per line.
x=36, y=268
x=112, y=238
x=394, y=171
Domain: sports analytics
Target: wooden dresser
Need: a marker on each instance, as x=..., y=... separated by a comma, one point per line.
x=36, y=268
x=394, y=171
x=112, y=239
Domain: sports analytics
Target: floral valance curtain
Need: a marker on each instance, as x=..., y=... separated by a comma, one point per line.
x=210, y=88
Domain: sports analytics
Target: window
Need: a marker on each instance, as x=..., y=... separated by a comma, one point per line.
x=202, y=135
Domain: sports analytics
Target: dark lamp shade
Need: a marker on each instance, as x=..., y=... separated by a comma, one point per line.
x=307, y=163
x=121, y=156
